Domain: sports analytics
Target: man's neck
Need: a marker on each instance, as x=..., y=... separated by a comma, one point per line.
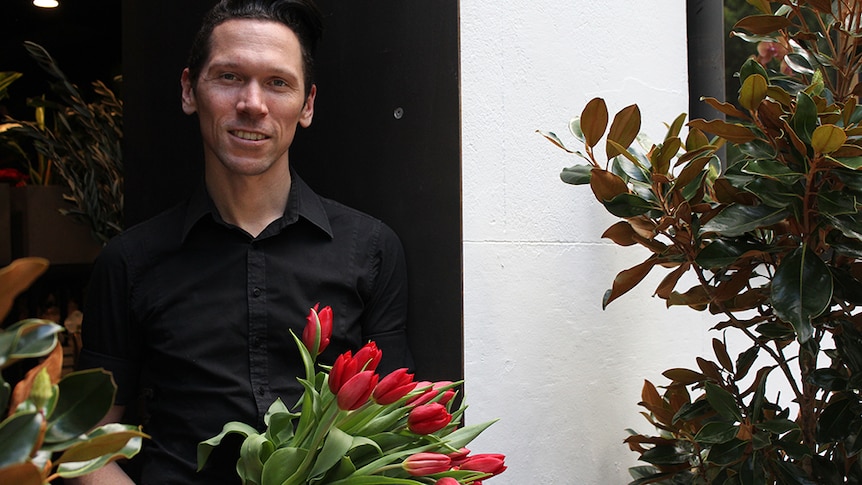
x=250, y=203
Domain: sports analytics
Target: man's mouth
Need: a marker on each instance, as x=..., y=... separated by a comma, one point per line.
x=248, y=135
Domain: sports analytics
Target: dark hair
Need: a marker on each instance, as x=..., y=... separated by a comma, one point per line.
x=300, y=16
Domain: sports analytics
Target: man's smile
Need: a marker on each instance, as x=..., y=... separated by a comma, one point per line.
x=248, y=135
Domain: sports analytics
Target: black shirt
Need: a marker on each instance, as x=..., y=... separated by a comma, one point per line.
x=194, y=315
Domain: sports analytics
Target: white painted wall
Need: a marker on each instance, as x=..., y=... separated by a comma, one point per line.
x=563, y=375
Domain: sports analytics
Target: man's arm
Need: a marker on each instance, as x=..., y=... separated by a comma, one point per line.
x=110, y=474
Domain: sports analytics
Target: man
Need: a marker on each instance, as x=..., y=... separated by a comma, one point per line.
x=192, y=309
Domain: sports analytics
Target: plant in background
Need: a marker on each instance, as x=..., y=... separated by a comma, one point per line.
x=46, y=431
x=81, y=144
x=351, y=427
x=773, y=243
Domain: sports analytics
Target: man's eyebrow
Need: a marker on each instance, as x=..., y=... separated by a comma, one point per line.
x=229, y=64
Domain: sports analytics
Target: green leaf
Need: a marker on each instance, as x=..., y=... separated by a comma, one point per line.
x=18, y=436
x=716, y=432
x=234, y=427
x=721, y=253
x=375, y=480
x=773, y=169
x=664, y=455
x=111, y=440
x=77, y=469
x=85, y=397
x=751, y=67
x=801, y=290
x=35, y=338
x=736, y=219
x=836, y=418
x=627, y=205
x=722, y=401
x=804, y=120
x=836, y=202
x=283, y=463
x=727, y=453
x=461, y=437
x=778, y=426
x=576, y=175
x=335, y=446
x=253, y=453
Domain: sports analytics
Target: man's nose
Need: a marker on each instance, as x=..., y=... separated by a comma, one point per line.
x=251, y=100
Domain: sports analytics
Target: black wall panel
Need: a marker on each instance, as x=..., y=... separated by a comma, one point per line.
x=385, y=137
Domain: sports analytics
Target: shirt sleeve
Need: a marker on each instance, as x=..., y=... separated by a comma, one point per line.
x=385, y=319
x=105, y=330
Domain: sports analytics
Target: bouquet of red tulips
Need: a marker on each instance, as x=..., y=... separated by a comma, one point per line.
x=352, y=428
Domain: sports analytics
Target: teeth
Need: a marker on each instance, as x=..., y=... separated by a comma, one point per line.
x=247, y=135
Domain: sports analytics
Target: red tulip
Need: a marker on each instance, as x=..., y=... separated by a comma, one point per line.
x=368, y=357
x=493, y=463
x=318, y=329
x=393, y=387
x=448, y=481
x=356, y=391
x=428, y=418
x=430, y=394
x=342, y=370
x=459, y=456
x=421, y=464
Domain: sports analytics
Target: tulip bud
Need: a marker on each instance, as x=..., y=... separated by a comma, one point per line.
x=432, y=393
x=393, y=387
x=342, y=370
x=368, y=357
x=421, y=464
x=356, y=391
x=459, y=456
x=428, y=418
x=448, y=481
x=493, y=463
x=318, y=330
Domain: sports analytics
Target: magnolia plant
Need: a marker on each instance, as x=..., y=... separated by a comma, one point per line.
x=47, y=431
x=352, y=427
x=772, y=243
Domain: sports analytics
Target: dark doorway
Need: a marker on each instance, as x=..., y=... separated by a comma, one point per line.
x=385, y=138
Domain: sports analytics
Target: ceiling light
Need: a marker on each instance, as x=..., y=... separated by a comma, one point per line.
x=46, y=3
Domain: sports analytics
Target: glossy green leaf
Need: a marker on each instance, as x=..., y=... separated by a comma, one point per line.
x=335, y=446
x=690, y=411
x=624, y=129
x=19, y=434
x=575, y=129
x=722, y=401
x=804, y=120
x=836, y=419
x=107, y=440
x=663, y=455
x=716, y=432
x=752, y=92
x=853, y=163
x=594, y=121
x=737, y=219
x=778, y=426
x=827, y=138
x=727, y=453
x=553, y=138
x=773, y=169
x=774, y=193
x=745, y=360
x=751, y=67
x=630, y=168
x=35, y=338
x=77, y=469
x=801, y=290
x=627, y=205
x=721, y=253
x=828, y=379
x=85, y=398
x=836, y=202
x=577, y=175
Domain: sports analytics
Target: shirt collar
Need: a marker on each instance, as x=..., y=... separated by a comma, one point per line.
x=302, y=202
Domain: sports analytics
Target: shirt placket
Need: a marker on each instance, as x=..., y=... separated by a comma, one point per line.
x=257, y=330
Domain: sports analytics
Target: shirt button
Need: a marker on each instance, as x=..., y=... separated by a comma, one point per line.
x=256, y=292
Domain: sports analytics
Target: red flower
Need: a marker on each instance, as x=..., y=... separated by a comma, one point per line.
x=430, y=394
x=459, y=456
x=421, y=464
x=428, y=418
x=347, y=365
x=356, y=391
x=493, y=463
x=393, y=387
x=447, y=481
x=13, y=175
x=318, y=329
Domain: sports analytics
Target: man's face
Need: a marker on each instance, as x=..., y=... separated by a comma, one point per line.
x=249, y=97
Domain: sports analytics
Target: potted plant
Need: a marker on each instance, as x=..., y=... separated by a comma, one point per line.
x=773, y=242
x=75, y=143
x=46, y=427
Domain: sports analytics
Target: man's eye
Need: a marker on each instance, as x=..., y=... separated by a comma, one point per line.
x=279, y=83
x=229, y=76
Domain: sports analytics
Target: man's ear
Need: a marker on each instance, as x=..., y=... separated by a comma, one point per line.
x=308, y=109
x=188, y=96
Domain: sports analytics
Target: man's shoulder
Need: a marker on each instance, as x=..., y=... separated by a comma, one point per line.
x=153, y=235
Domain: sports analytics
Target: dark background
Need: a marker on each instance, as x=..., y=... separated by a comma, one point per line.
x=377, y=58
